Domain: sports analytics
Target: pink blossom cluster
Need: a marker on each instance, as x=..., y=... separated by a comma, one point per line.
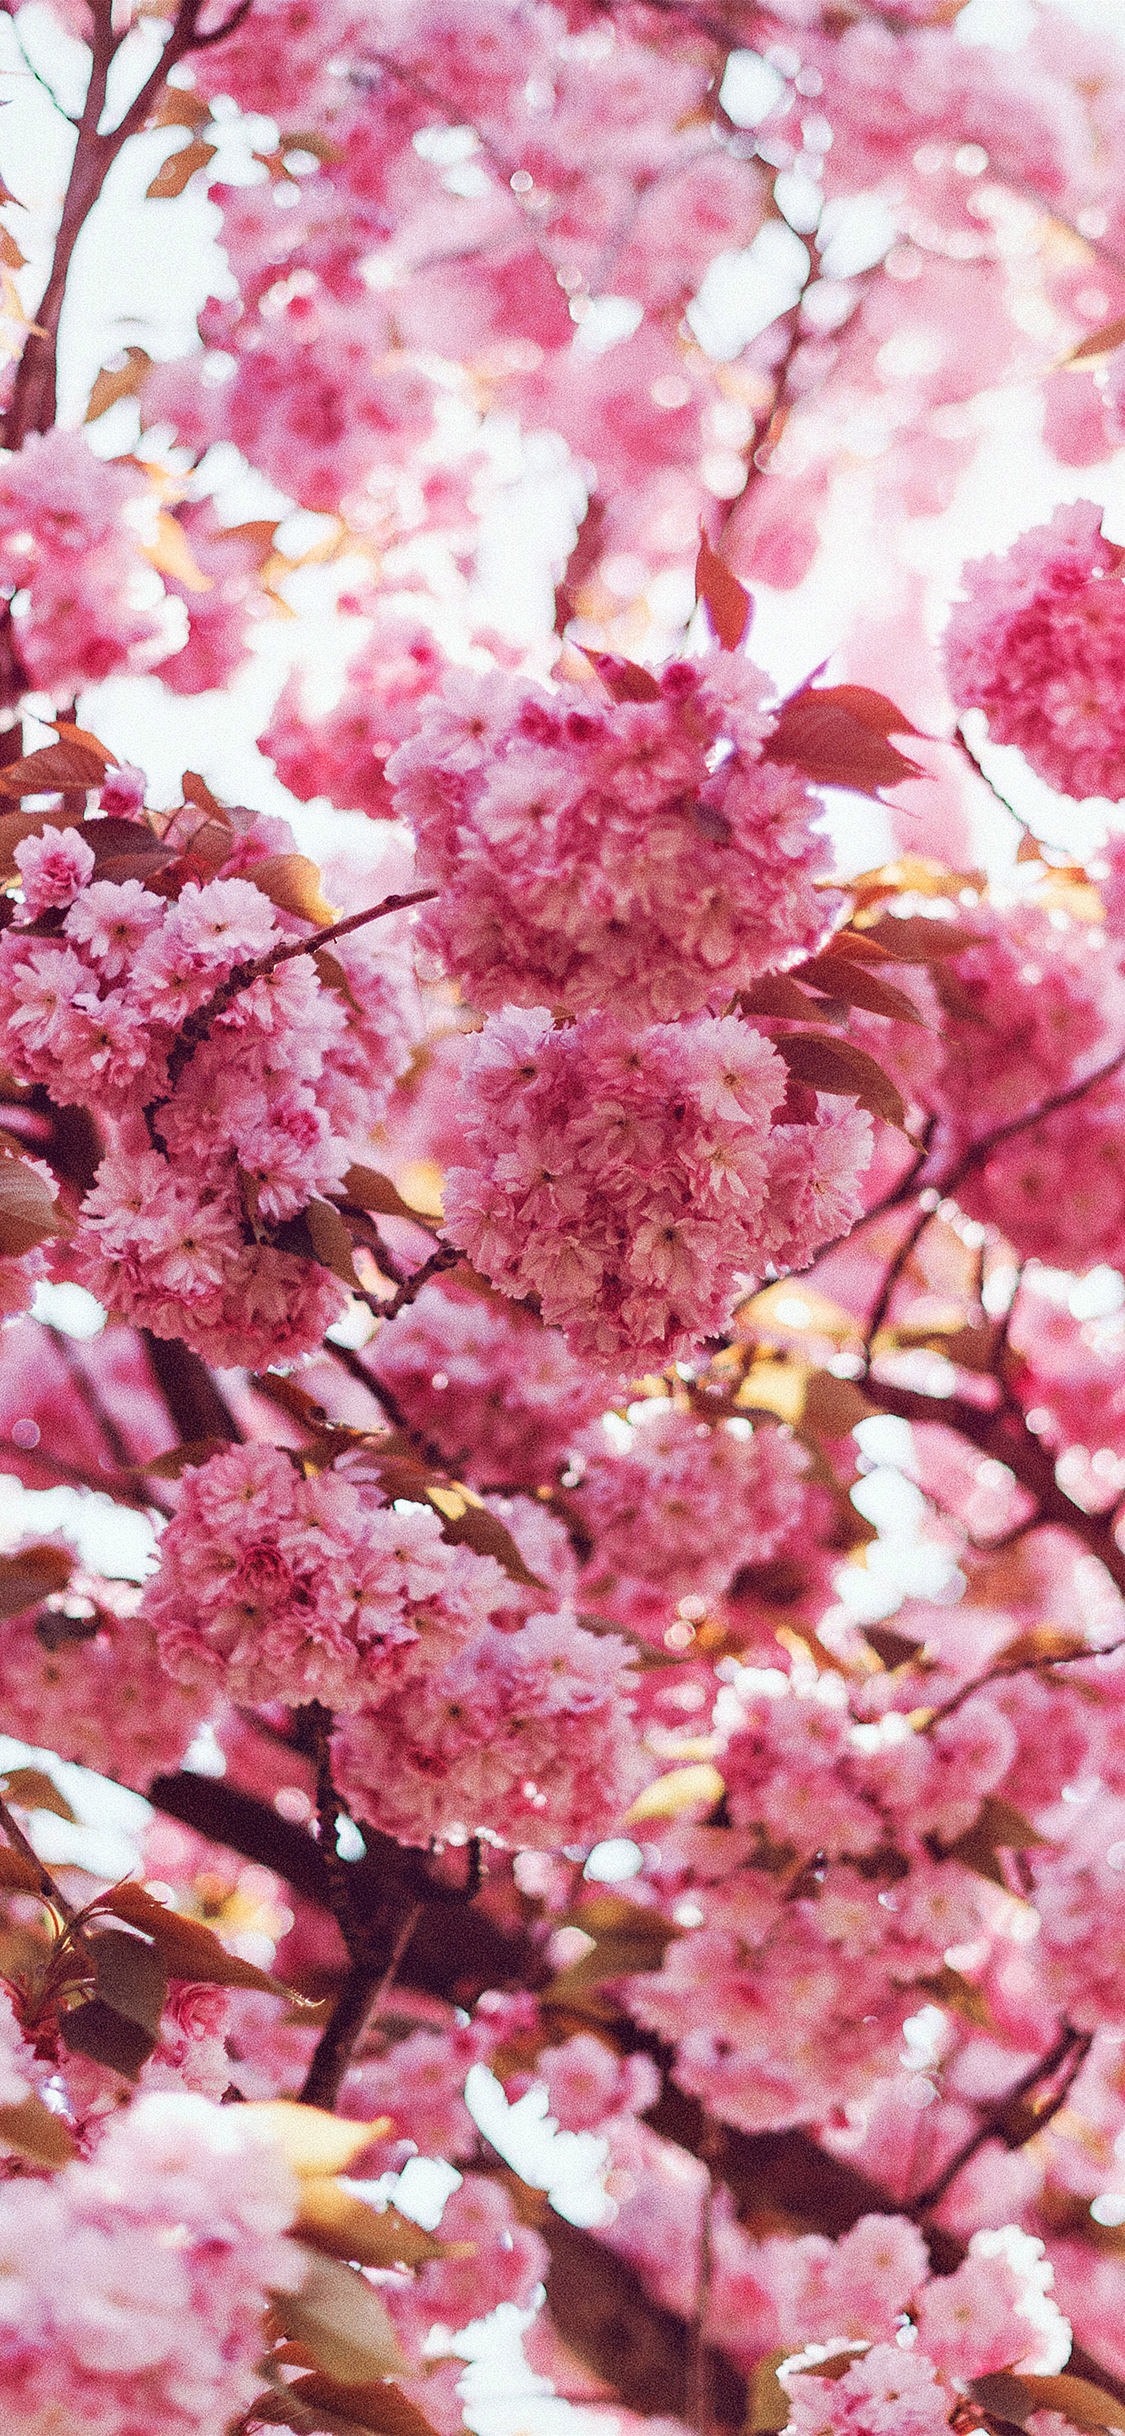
x=342, y=753
x=1042, y=1007
x=525, y=1735
x=134, y=2284
x=483, y=1381
x=69, y=565
x=97, y=980
x=1037, y=646
x=84, y=1676
x=678, y=1513
x=277, y=1586
x=629, y=1180
x=636, y=855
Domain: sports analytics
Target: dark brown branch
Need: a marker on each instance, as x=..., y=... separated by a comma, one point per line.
x=196, y=1408
x=1018, y=2115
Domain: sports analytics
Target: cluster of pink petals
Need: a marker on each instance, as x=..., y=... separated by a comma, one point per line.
x=132, y=2287
x=637, y=855
x=630, y=1180
x=274, y=1586
x=525, y=1735
x=84, y=1677
x=69, y=564
x=683, y=1508
x=1043, y=1005
x=342, y=752
x=1039, y=646
x=97, y=981
x=498, y=1393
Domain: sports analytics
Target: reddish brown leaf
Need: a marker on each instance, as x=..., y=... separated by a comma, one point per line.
x=195, y=790
x=54, y=769
x=178, y=169
x=371, y=1191
x=727, y=602
x=625, y=679
x=180, y=106
x=835, y=735
x=330, y=1240
x=1099, y=343
x=292, y=882
x=917, y=938
x=31, y=2130
x=839, y=1066
x=778, y=996
x=856, y=985
x=118, y=381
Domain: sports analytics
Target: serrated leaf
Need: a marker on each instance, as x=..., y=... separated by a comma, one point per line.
x=53, y=769
x=33, y=1789
x=313, y=2142
x=292, y=882
x=31, y=1576
x=178, y=169
x=841, y=977
x=997, y=1827
x=126, y=849
x=330, y=1240
x=30, y=2129
x=188, y=1949
x=341, y=2320
x=97, y=2030
x=727, y=602
x=195, y=790
x=839, y=1066
x=336, y=2221
x=699, y=1785
x=839, y=736
x=118, y=381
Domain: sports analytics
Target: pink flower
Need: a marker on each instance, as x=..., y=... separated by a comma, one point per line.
x=53, y=867
x=1038, y=646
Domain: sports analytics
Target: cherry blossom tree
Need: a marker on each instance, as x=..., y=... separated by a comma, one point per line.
x=604, y=1305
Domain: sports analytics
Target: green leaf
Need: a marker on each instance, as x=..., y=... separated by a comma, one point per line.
x=131, y=1976
x=96, y=2029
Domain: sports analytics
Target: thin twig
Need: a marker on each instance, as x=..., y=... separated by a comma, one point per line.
x=257, y=968
x=52, y=1894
